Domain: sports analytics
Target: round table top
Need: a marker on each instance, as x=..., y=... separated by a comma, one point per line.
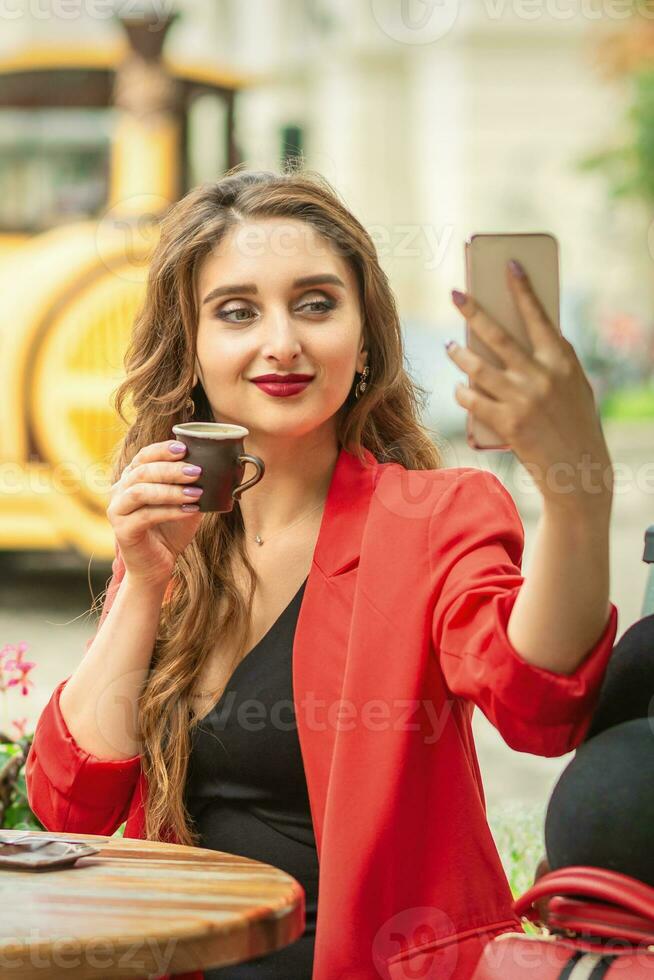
x=143, y=907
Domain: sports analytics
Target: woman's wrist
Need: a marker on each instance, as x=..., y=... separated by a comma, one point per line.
x=146, y=586
x=583, y=509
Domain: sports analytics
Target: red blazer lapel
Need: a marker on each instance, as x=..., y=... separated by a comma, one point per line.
x=323, y=628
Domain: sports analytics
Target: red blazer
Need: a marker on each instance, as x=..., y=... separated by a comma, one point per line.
x=401, y=631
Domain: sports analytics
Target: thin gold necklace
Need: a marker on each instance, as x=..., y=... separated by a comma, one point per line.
x=259, y=539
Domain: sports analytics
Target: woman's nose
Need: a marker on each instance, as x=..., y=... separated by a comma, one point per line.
x=281, y=335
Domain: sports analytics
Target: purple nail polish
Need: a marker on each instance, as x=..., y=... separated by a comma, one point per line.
x=177, y=447
x=459, y=297
x=516, y=268
x=192, y=470
x=451, y=345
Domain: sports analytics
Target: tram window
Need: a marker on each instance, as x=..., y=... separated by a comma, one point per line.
x=54, y=166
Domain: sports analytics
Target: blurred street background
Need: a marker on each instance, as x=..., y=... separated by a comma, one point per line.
x=434, y=121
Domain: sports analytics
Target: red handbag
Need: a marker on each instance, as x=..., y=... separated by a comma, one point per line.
x=598, y=924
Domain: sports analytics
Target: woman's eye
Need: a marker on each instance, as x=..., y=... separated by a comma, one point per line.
x=324, y=305
x=225, y=313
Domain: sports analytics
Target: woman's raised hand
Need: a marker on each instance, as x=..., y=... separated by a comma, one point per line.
x=540, y=403
x=149, y=512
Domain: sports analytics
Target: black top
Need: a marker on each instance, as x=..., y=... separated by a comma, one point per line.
x=246, y=789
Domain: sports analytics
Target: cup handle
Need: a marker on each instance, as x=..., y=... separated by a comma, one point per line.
x=261, y=469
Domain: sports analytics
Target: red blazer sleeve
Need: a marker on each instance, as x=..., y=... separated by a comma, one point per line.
x=69, y=789
x=476, y=541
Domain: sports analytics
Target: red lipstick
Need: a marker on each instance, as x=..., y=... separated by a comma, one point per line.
x=281, y=389
x=282, y=385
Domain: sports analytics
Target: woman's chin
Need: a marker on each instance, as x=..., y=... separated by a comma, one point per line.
x=288, y=428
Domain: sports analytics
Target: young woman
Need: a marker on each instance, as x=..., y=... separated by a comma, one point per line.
x=370, y=592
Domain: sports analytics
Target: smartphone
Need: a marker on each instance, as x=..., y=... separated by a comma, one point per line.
x=486, y=258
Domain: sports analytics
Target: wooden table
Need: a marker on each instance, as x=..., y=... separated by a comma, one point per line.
x=141, y=907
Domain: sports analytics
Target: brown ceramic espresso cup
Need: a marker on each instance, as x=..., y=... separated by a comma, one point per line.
x=218, y=448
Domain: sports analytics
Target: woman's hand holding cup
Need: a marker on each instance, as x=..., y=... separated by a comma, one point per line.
x=149, y=511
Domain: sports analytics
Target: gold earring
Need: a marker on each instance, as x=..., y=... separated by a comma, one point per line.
x=362, y=383
x=189, y=407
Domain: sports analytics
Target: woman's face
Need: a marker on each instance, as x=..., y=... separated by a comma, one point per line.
x=256, y=317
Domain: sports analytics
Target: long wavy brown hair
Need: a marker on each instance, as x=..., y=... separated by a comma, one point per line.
x=159, y=365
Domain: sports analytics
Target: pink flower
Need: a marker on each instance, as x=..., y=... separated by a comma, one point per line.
x=21, y=648
x=5, y=652
x=23, y=667
x=19, y=725
x=16, y=663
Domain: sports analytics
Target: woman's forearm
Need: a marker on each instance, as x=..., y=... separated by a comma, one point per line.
x=563, y=606
x=99, y=701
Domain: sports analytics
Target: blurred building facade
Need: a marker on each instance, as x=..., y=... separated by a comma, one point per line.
x=473, y=118
x=431, y=130
x=477, y=130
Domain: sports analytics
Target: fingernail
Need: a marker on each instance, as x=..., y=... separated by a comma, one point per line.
x=459, y=297
x=193, y=491
x=451, y=345
x=192, y=470
x=516, y=268
x=177, y=447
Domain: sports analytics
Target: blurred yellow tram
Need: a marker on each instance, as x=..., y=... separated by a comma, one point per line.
x=70, y=289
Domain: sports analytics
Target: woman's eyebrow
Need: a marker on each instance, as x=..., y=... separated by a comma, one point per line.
x=250, y=287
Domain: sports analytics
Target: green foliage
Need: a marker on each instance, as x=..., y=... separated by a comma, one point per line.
x=630, y=403
x=17, y=812
x=629, y=164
